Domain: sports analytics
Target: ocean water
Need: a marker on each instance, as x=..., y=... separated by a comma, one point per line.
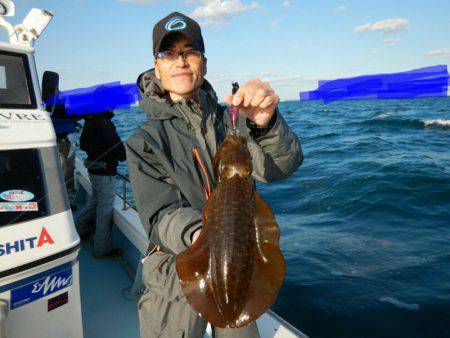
x=365, y=220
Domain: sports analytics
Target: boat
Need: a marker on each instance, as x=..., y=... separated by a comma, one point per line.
x=50, y=284
x=39, y=247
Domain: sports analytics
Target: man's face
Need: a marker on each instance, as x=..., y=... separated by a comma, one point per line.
x=181, y=78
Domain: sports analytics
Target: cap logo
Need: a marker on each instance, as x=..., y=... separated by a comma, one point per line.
x=175, y=23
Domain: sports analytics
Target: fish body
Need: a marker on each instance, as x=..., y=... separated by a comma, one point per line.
x=232, y=274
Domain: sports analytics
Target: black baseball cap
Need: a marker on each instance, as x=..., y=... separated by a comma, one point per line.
x=177, y=23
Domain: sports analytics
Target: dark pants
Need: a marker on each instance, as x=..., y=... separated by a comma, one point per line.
x=100, y=203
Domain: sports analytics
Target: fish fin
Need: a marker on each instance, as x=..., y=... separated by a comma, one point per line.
x=192, y=263
x=193, y=268
x=269, y=267
x=265, y=223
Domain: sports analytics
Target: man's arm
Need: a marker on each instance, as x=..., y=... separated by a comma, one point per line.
x=113, y=141
x=164, y=213
x=276, y=152
x=275, y=149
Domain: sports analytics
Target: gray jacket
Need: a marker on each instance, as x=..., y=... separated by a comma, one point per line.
x=165, y=177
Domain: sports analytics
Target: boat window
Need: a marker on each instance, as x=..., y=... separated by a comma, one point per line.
x=16, y=87
x=31, y=185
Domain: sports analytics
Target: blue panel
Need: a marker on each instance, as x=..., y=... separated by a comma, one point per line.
x=41, y=288
x=27, y=280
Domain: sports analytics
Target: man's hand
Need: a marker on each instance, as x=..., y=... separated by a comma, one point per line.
x=195, y=235
x=256, y=100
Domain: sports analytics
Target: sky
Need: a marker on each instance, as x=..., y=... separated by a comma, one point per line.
x=290, y=44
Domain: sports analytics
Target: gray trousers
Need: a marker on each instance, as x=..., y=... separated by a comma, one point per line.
x=164, y=311
x=99, y=203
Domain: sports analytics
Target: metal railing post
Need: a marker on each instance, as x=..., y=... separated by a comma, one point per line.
x=124, y=194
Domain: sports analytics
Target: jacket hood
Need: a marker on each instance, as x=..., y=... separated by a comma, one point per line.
x=156, y=101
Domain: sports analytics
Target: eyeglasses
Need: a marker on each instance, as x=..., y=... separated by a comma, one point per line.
x=172, y=56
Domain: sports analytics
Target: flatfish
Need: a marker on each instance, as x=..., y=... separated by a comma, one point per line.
x=232, y=274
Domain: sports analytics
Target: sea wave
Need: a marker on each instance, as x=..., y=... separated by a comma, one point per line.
x=437, y=122
x=399, y=304
x=382, y=116
x=384, y=120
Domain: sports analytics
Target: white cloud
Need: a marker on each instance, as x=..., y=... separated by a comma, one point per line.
x=340, y=9
x=296, y=46
x=274, y=23
x=287, y=4
x=138, y=1
x=221, y=78
x=286, y=86
x=218, y=13
x=385, y=26
x=291, y=80
x=391, y=41
x=439, y=52
x=371, y=51
x=249, y=75
x=84, y=71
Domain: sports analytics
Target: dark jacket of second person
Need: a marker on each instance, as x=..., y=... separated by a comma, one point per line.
x=101, y=142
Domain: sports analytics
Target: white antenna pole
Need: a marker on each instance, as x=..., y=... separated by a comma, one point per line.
x=29, y=30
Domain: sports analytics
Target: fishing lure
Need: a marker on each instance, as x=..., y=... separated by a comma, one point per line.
x=233, y=109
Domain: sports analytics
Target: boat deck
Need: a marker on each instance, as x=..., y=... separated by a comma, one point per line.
x=105, y=310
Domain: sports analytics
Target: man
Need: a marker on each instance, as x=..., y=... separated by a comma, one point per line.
x=104, y=149
x=169, y=161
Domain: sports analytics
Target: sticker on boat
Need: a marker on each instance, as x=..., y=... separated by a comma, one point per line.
x=18, y=206
x=16, y=196
x=41, y=288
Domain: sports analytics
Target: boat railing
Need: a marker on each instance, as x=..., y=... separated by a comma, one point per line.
x=123, y=192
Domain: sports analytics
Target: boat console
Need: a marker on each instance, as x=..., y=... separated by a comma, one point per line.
x=39, y=279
